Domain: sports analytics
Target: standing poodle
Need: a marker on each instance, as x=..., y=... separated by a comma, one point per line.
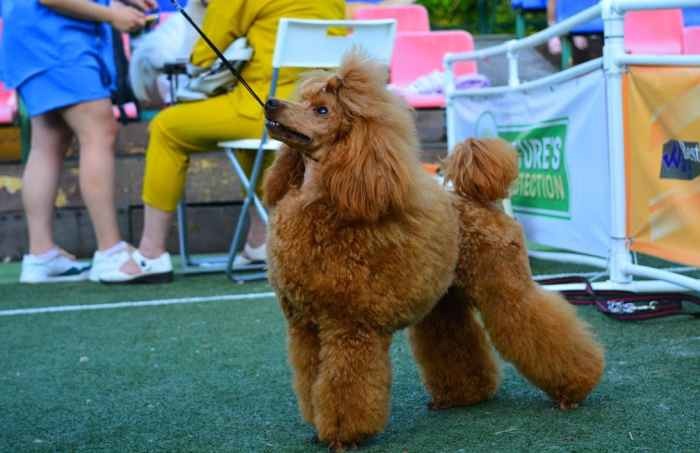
x=363, y=242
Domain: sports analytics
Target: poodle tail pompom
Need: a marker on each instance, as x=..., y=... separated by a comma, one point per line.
x=482, y=169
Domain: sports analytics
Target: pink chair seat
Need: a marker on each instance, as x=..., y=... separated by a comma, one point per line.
x=130, y=110
x=408, y=17
x=417, y=54
x=422, y=101
x=691, y=40
x=7, y=116
x=657, y=32
x=8, y=105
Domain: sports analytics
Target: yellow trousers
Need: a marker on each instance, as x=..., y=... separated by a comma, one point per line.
x=192, y=127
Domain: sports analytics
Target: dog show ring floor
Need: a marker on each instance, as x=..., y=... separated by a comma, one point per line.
x=200, y=365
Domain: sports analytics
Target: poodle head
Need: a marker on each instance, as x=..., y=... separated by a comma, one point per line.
x=360, y=137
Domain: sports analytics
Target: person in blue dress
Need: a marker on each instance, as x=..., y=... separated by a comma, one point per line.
x=58, y=55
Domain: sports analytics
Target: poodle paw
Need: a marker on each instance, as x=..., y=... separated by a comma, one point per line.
x=566, y=405
x=337, y=446
x=439, y=406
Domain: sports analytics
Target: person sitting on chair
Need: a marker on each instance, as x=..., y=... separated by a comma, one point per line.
x=191, y=127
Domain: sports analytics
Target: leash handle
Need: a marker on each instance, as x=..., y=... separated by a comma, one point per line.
x=218, y=53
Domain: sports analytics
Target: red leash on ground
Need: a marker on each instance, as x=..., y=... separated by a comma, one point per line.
x=624, y=305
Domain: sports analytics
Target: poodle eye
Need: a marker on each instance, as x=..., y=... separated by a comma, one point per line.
x=322, y=110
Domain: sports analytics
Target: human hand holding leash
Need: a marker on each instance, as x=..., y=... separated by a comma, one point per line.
x=126, y=18
x=142, y=5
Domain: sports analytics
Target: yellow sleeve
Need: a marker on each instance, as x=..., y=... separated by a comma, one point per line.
x=224, y=21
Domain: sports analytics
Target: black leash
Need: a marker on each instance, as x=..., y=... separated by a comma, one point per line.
x=218, y=53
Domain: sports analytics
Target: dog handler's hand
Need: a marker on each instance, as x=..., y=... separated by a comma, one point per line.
x=143, y=5
x=125, y=18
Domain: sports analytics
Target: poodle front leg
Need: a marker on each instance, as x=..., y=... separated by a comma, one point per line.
x=454, y=354
x=540, y=334
x=351, y=395
x=304, y=350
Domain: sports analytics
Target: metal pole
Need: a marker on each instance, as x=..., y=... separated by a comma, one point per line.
x=620, y=258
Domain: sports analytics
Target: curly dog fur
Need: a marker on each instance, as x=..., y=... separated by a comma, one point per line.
x=363, y=242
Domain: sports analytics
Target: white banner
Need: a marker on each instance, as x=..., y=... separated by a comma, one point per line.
x=562, y=197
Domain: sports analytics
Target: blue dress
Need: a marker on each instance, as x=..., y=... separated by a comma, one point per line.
x=53, y=60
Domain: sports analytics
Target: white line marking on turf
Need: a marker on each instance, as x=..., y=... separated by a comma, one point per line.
x=143, y=303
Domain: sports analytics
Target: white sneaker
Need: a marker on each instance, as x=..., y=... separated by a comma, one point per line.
x=103, y=263
x=157, y=270
x=52, y=269
x=251, y=255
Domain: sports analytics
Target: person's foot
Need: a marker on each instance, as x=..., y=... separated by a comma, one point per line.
x=554, y=46
x=54, y=266
x=251, y=255
x=140, y=269
x=109, y=260
x=580, y=42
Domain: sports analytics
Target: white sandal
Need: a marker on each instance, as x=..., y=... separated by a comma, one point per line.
x=251, y=255
x=157, y=270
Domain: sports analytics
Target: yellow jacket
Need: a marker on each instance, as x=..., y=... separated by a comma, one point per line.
x=257, y=20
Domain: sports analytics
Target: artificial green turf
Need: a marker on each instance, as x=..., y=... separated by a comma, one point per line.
x=214, y=378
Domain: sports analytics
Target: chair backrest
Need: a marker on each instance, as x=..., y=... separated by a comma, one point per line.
x=419, y=53
x=305, y=43
x=654, y=31
x=691, y=16
x=691, y=40
x=568, y=8
x=408, y=17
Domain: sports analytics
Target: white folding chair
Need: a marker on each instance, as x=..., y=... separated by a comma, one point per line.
x=301, y=44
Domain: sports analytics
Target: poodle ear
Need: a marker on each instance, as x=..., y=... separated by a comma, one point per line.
x=482, y=170
x=364, y=176
x=333, y=84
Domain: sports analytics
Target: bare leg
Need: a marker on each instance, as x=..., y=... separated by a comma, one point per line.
x=50, y=139
x=257, y=231
x=454, y=354
x=96, y=129
x=156, y=225
x=351, y=395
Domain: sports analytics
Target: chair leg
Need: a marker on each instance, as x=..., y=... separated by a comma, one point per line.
x=182, y=234
x=566, y=52
x=519, y=24
x=251, y=199
x=237, y=240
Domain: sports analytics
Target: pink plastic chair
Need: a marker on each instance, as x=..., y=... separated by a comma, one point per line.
x=657, y=32
x=8, y=98
x=418, y=54
x=131, y=112
x=691, y=40
x=408, y=17
x=8, y=105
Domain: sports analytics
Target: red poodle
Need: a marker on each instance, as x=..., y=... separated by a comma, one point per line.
x=363, y=242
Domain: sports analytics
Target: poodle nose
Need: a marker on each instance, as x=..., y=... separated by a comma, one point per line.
x=272, y=105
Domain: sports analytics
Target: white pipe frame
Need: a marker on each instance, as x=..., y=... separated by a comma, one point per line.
x=619, y=264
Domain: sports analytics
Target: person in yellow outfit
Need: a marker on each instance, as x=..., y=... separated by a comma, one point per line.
x=188, y=128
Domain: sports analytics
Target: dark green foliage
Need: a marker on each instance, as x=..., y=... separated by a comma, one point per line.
x=481, y=16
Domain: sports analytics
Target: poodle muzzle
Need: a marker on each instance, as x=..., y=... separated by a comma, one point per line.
x=281, y=132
